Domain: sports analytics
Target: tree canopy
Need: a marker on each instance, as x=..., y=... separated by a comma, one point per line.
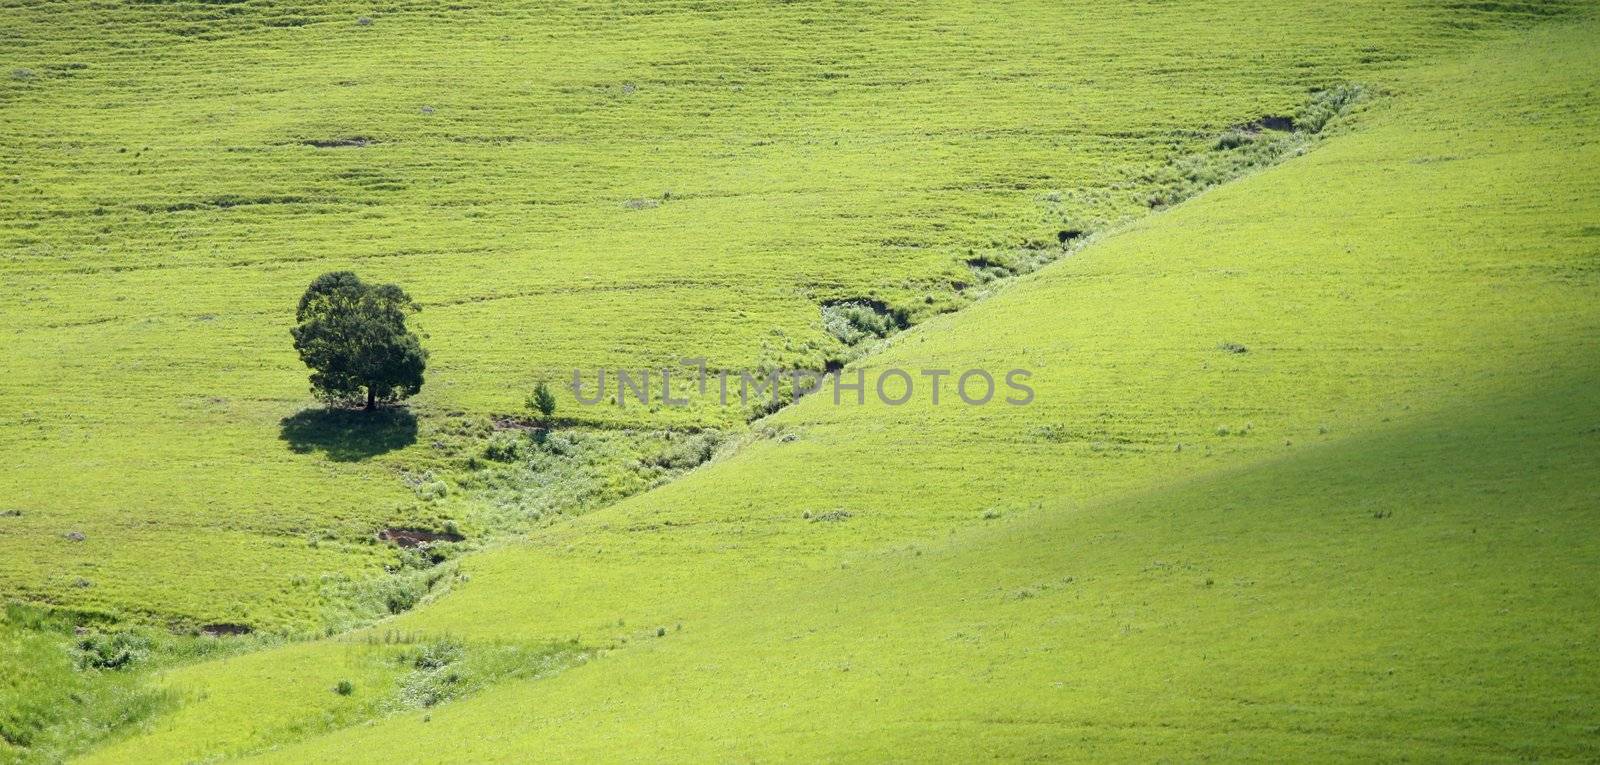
x=353, y=336
x=542, y=401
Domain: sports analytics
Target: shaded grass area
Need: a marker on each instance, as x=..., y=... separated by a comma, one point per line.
x=348, y=435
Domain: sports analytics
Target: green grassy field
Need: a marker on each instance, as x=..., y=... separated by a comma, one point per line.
x=1368, y=535
x=562, y=186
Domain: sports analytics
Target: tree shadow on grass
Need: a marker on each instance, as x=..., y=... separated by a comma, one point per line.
x=348, y=435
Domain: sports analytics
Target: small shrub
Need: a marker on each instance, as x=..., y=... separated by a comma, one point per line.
x=856, y=320
x=503, y=447
x=688, y=452
x=401, y=598
x=1233, y=139
x=114, y=651
x=985, y=270
x=365, y=600
x=344, y=688
x=542, y=401
x=433, y=491
x=438, y=654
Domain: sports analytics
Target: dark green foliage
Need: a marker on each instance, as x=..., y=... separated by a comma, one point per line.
x=852, y=321
x=438, y=654
x=542, y=401
x=344, y=688
x=353, y=336
x=503, y=447
x=1325, y=105
x=1233, y=139
x=684, y=452
x=115, y=650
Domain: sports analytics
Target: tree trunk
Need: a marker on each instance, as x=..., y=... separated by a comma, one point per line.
x=372, y=399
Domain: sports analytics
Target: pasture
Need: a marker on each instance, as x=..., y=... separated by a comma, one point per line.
x=1302, y=478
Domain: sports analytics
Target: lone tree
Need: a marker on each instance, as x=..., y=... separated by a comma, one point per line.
x=353, y=336
x=542, y=401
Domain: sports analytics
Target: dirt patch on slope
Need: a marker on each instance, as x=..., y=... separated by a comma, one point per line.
x=417, y=537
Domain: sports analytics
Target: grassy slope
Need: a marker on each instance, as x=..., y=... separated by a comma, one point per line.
x=1392, y=560
x=1264, y=613
x=161, y=212
x=48, y=704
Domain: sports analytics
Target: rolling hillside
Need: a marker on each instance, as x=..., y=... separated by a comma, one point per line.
x=562, y=186
x=1306, y=478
